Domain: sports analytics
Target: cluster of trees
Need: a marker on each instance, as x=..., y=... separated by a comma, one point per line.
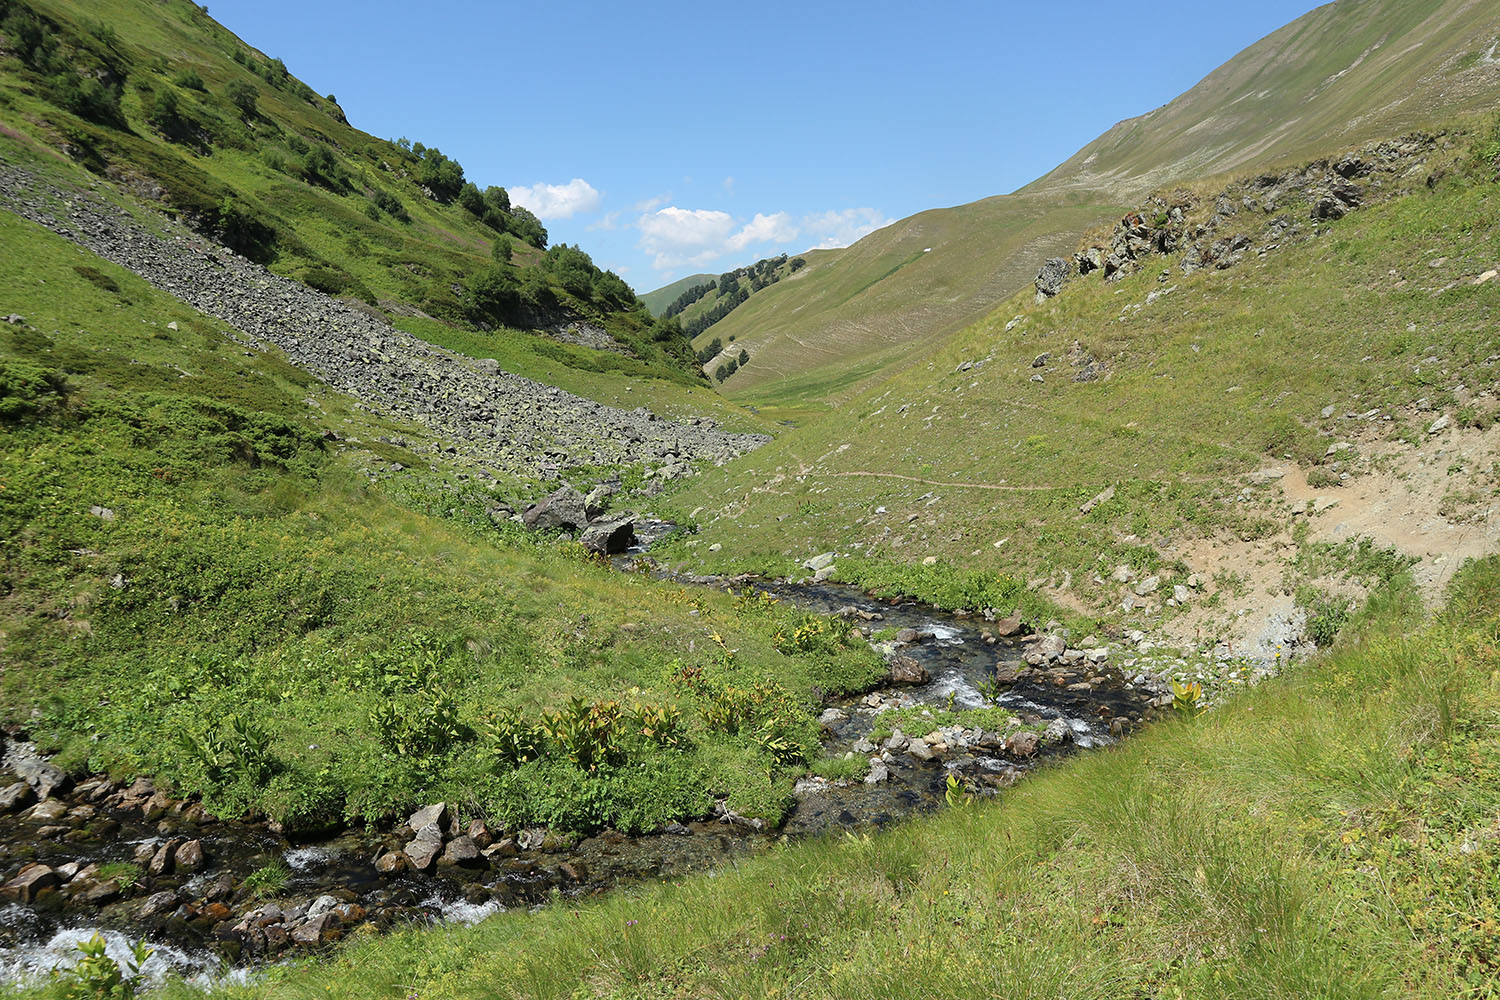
x=710, y=350
x=731, y=366
x=687, y=298
x=499, y=294
x=722, y=307
x=443, y=177
x=732, y=293
x=93, y=94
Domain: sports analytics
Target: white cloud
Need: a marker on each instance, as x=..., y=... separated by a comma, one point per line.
x=651, y=204
x=691, y=237
x=557, y=201
x=608, y=223
x=834, y=230
x=729, y=186
x=775, y=228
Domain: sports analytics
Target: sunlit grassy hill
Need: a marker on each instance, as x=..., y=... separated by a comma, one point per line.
x=1342, y=74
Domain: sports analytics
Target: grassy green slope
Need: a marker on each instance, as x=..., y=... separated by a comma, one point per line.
x=1329, y=834
x=324, y=227
x=662, y=297
x=1332, y=78
x=1342, y=74
x=198, y=580
x=985, y=468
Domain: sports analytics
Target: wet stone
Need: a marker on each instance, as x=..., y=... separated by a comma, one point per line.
x=16, y=796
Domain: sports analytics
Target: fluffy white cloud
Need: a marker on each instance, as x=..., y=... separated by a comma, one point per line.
x=557, y=201
x=776, y=228
x=839, y=229
x=691, y=237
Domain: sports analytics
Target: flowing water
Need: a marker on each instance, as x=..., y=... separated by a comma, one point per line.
x=189, y=939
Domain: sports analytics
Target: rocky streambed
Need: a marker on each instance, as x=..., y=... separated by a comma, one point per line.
x=80, y=855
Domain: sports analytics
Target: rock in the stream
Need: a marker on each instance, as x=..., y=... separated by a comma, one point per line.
x=30, y=882
x=425, y=847
x=48, y=811
x=610, y=537
x=1023, y=744
x=906, y=670
x=390, y=862
x=878, y=772
x=832, y=716
x=190, y=857
x=157, y=904
x=428, y=816
x=1007, y=671
x=164, y=859
x=17, y=796
x=460, y=851
x=561, y=510
x=1058, y=731
x=921, y=749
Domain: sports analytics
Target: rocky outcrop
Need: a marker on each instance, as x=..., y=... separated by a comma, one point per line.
x=1257, y=215
x=495, y=419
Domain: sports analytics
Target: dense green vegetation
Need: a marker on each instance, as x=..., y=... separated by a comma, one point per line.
x=1328, y=834
x=250, y=156
x=205, y=586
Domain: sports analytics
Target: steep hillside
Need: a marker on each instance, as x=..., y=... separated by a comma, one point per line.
x=1281, y=369
x=181, y=114
x=1344, y=73
x=659, y=299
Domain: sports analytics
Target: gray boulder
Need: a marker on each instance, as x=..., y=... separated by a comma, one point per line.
x=561, y=510
x=17, y=796
x=1049, y=280
x=425, y=847
x=610, y=537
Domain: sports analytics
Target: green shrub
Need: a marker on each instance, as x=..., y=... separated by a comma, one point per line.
x=1326, y=615
x=29, y=392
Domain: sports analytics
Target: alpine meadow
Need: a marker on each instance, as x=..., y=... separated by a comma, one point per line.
x=1089, y=590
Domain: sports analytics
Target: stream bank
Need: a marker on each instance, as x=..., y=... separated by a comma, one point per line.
x=219, y=897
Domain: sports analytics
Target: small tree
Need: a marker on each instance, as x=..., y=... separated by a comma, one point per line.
x=242, y=94
x=502, y=250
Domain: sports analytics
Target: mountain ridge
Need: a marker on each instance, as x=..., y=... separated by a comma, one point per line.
x=988, y=249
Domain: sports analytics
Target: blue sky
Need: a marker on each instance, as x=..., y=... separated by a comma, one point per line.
x=671, y=138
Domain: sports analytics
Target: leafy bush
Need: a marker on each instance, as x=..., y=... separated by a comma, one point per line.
x=29, y=392
x=243, y=95
x=188, y=79
x=508, y=738
x=1326, y=615
x=585, y=734
x=96, y=976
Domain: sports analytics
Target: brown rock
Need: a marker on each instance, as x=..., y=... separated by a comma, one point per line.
x=215, y=912
x=460, y=851
x=319, y=930
x=480, y=834
x=1007, y=627
x=1007, y=671
x=17, y=796
x=190, y=857
x=30, y=882
x=905, y=670
x=390, y=863
x=1023, y=744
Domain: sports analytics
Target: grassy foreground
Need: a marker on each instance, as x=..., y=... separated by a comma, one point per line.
x=1329, y=834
